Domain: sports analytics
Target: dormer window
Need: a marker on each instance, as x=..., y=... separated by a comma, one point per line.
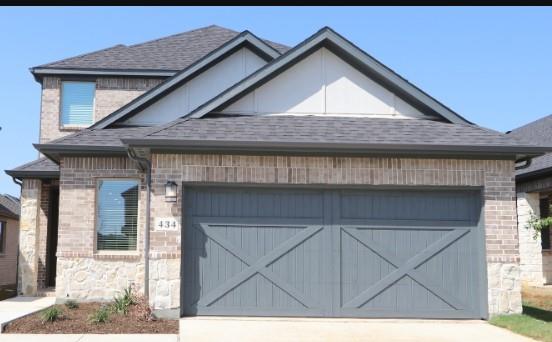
x=77, y=104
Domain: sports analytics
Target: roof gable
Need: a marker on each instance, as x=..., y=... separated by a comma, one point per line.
x=350, y=53
x=244, y=40
x=323, y=84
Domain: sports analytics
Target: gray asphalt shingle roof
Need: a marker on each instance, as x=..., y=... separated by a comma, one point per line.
x=538, y=132
x=108, y=137
x=40, y=168
x=331, y=129
x=42, y=164
x=9, y=206
x=172, y=53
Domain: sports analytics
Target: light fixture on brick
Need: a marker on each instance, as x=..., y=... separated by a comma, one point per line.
x=170, y=191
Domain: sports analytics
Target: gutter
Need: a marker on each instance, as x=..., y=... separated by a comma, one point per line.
x=322, y=147
x=145, y=164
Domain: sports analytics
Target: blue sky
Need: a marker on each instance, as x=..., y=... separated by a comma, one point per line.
x=491, y=65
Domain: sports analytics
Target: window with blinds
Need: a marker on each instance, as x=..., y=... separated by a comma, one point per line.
x=117, y=214
x=77, y=103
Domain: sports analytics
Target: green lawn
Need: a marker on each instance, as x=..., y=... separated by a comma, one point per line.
x=536, y=320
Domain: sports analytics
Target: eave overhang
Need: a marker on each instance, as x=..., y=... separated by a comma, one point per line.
x=441, y=151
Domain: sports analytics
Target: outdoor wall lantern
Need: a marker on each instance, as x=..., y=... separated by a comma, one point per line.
x=170, y=191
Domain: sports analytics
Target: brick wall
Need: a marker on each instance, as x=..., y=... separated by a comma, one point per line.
x=78, y=179
x=111, y=94
x=83, y=273
x=8, y=259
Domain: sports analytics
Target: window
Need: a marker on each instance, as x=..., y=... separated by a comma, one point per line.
x=117, y=214
x=3, y=227
x=77, y=103
x=545, y=212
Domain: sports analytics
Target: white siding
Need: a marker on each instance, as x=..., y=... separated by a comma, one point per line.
x=199, y=89
x=323, y=83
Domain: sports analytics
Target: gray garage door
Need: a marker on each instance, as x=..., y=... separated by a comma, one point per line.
x=332, y=253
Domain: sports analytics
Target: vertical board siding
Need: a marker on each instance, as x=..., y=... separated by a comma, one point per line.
x=224, y=226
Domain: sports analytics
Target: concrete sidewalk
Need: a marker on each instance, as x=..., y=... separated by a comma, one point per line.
x=88, y=338
x=304, y=329
x=13, y=308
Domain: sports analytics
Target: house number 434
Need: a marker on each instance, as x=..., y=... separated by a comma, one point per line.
x=166, y=223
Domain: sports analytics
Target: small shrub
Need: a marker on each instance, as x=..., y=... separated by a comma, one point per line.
x=71, y=304
x=51, y=314
x=99, y=316
x=122, y=303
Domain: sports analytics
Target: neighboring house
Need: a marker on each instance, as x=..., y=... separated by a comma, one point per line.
x=223, y=174
x=9, y=236
x=534, y=197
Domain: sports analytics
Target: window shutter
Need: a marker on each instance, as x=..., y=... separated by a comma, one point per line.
x=117, y=215
x=77, y=103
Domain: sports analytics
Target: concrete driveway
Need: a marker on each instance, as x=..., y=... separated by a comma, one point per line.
x=16, y=307
x=305, y=329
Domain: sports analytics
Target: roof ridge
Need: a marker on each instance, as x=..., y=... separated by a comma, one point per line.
x=181, y=33
x=79, y=56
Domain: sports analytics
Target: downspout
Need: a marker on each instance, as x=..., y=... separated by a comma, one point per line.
x=527, y=161
x=17, y=181
x=145, y=165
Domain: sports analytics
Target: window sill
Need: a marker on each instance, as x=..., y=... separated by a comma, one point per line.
x=111, y=255
x=73, y=128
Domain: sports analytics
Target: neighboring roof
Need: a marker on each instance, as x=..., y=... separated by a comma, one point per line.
x=346, y=50
x=538, y=132
x=9, y=206
x=40, y=168
x=330, y=133
x=172, y=53
x=243, y=39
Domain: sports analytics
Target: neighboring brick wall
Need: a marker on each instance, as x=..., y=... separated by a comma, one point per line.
x=77, y=187
x=8, y=259
x=111, y=94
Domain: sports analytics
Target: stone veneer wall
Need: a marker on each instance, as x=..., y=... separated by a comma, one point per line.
x=28, y=237
x=529, y=248
x=82, y=273
x=111, y=94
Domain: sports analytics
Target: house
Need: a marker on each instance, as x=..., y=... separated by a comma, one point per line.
x=223, y=174
x=534, y=190
x=9, y=235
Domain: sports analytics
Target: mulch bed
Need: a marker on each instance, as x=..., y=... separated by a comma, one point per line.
x=75, y=321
